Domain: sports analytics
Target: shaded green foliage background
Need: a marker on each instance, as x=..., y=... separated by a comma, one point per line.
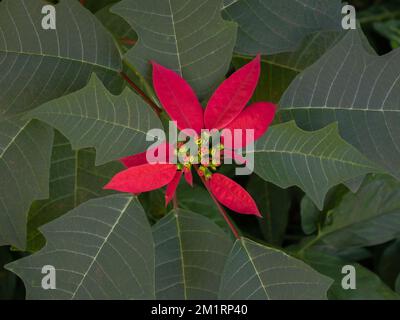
x=286, y=225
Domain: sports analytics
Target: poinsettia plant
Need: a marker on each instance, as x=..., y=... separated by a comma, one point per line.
x=225, y=110
x=221, y=149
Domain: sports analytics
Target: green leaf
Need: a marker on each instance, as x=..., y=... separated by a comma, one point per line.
x=191, y=252
x=389, y=263
x=257, y=272
x=270, y=27
x=398, y=284
x=274, y=204
x=8, y=280
x=74, y=179
x=313, y=161
x=153, y=203
x=197, y=199
x=354, y=184
x=379, y=11
x=103, y=249
x=368, y=284
x=278, y=71
x=390, y=30
x=188, y=36
x=39, y=65
x=122, y=32
x=312, y=217
x=309, y=215
x=369, y=217
x=359, y=90
x=25, y=151
x=92, y=117
x=96, y=5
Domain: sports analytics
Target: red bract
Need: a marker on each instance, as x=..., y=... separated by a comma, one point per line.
x=226, y=109
x=232, y=195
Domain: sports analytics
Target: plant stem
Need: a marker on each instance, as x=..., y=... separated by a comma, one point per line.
x=175, y=201
x=311, y=242
x=141, y=93
x=127, y=41
x=220, y=208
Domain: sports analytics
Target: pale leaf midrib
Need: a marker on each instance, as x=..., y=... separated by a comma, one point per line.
x=67, y=59
x=13, y=139
x=350, y=109
x=298, y=153
x=102, y=245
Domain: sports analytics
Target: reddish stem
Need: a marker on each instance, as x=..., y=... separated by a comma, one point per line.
x=175, y=201
x=127, y=41
x=82, y=2
x=142, y=94
x=220, y=208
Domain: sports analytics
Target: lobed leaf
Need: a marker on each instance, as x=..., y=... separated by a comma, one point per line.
x=25, y=151
x=74, y=179
x=102, y=249
x=187, y=36
x=256, y=272
x=279, y=70
x=314, y=161
x=39, y=65
x=366, y=218
x=190, y=256
x=368, y=285
x=92, y=117
x=350, y=84
x=270, y=27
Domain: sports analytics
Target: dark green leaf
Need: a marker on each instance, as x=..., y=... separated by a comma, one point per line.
x=368, y=284
x=39, y=65
x=309, y=215
x=360, y=91
x=123, y=34
x=103, y=249
x=92, y=117
x=153, y=203
x=257, y=272
x=389, y=263
x=191, y=252
x=96, y=5
x=270, y=27
x=7, y=279
x=74, y=179
x=25, y=151
x=274, y=204
x=278, y=71
x=390, y=30
x=369, y=217
x=354, y=184
x=188, y=36
x=314, y=161
x=198, y=200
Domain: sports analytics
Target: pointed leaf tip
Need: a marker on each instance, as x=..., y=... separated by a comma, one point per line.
x=171, y=188
x=188, y=176
x=232, y=195
x=178, y=98
x=232, y=95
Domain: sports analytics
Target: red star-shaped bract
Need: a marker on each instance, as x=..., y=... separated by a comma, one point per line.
x=226, y=109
